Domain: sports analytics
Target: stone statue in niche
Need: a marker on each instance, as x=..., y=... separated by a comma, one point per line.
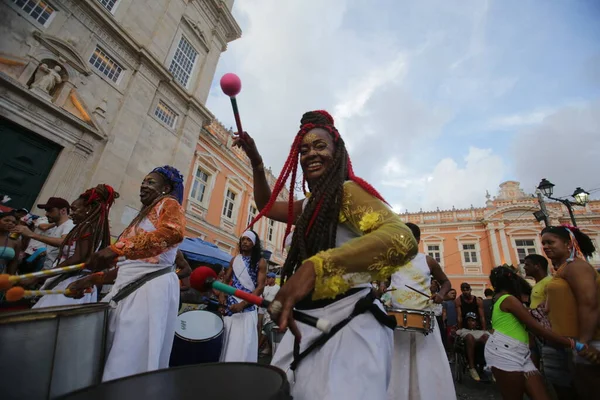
x=46, y=79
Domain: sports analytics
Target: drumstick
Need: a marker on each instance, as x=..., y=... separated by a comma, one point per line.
x=17, y=293
x=231, y=85
x=6, y=280
x=204, y=278
x=418, y=291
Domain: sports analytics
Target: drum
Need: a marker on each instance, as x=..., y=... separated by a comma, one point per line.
x=48, y=352
x=413, y=320
x=198, y=338
x=223, y=381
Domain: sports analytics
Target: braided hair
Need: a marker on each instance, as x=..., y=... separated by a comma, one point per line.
x=100, y=199
x=506, y=279
x=316, y=227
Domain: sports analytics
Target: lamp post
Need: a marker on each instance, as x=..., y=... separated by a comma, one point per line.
x=581, y=197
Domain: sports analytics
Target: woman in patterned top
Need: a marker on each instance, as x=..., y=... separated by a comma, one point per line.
x=247, y=272
x=345, y=237
x=145, y=295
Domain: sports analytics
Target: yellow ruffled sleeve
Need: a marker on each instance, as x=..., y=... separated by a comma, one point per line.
x=384, y=245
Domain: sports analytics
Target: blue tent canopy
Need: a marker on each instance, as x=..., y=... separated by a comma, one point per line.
x=196, y=249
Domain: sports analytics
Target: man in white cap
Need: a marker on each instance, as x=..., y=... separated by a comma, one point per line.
x=246, y=272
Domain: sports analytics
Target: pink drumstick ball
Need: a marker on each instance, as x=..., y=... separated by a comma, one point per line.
x=231, y=84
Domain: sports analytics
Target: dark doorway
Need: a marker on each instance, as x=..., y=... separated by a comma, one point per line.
x=25, y=162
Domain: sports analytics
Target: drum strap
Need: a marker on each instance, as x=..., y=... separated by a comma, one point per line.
x=133, y=286
x=363, y=305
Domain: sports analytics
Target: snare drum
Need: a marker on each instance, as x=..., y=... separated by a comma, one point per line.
x=413, y=320
x=223, y=381
x=198, y=338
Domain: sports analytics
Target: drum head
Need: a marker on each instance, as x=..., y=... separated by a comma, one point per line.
x=198, y=325
x=223, y=381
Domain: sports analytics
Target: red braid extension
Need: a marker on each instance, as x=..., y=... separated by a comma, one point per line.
x=326, y=115
x=362, y=183
x=314, y=216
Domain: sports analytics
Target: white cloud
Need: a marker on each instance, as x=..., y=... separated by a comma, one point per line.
x=564, y=148
x=450, y=184
x=519, y=120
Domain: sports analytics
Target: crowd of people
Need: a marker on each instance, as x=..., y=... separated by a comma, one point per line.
x=345, y=236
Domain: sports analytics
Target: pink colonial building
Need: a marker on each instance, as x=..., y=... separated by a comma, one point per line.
x=468, y=243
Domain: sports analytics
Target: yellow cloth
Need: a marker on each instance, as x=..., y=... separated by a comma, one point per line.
x=538, y=292
x=563, y=307
x=384, y=244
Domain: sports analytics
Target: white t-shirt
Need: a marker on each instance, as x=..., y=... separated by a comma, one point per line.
x=35, y=244
x=57, y=232
x=270, y=292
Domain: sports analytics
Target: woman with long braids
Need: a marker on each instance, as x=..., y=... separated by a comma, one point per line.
x=345, y=237
x=573, y=303
x=145, y=294
x=89, y=213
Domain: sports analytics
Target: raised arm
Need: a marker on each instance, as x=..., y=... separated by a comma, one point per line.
x=385, y=244
x=262, y=190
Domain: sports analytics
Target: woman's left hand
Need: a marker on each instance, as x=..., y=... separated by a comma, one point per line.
x=294, y=290
x=102, y=259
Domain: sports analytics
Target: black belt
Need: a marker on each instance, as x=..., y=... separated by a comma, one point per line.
x=133, y=286
x=363, y=305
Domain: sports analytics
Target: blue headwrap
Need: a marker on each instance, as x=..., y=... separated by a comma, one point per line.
x=174, y=178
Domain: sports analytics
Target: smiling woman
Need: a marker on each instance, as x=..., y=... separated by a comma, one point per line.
x=146, y=289
x=345, y=236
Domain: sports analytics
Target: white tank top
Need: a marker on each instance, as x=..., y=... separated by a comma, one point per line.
x=416, y=274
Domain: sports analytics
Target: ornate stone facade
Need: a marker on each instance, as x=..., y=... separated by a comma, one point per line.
x=468, y=243
x=109, y=72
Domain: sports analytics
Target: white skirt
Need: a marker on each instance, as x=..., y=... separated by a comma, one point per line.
x=508, y=354
x=354, y=364
x=420, y=368
x=240, y=338
x=53, y=300
x=141, y=328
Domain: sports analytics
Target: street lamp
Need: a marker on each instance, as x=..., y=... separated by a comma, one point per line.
x=581, y=197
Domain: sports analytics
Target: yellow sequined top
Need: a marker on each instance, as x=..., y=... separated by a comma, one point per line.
x=383, y=245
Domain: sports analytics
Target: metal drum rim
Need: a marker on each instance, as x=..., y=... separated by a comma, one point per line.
x=409, y=310
x=40, y=314
x=279, y=372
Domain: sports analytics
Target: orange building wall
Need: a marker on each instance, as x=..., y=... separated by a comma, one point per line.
x=228, y=167
x=494, y=229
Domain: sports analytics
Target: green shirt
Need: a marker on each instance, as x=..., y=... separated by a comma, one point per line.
x=508, y=324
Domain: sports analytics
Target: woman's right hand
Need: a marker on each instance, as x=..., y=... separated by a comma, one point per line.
x=246, y=143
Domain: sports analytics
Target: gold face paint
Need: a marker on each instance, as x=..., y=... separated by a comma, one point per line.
x=310, y=138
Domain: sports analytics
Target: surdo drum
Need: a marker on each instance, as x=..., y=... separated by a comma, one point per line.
x=198, y=338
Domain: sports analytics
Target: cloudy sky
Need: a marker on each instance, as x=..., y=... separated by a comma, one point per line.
x=438, y=101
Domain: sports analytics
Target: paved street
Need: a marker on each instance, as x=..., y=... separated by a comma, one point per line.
x=471, y=390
